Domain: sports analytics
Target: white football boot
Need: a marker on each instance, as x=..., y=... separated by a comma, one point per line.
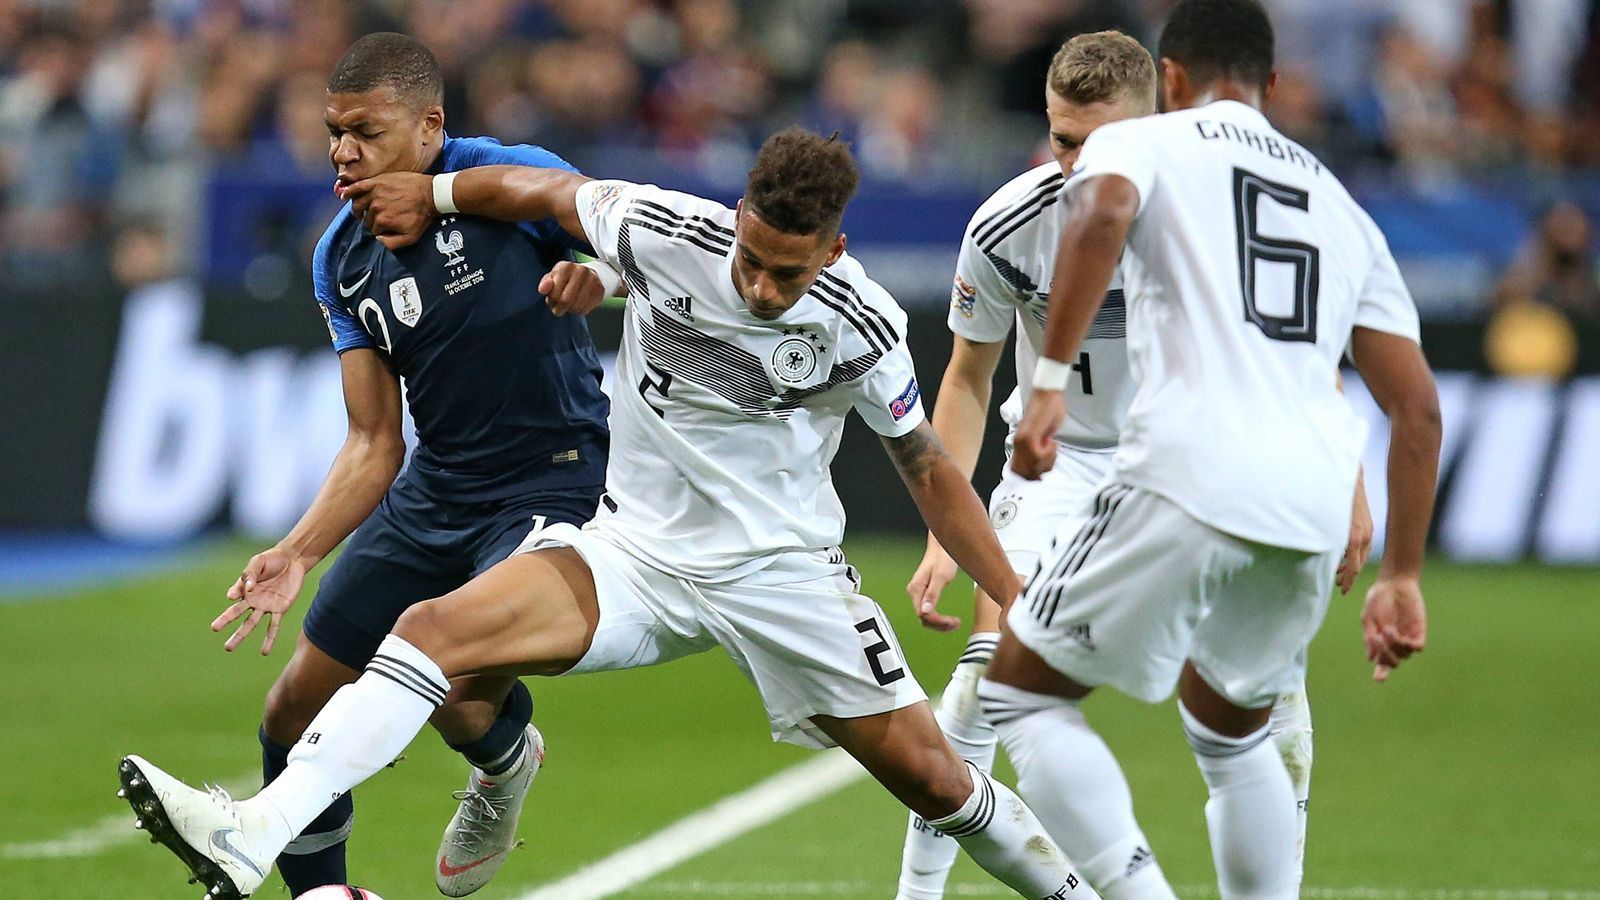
x=484, y=828
x=205, y=829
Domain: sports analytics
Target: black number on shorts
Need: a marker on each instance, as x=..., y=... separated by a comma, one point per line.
x=661, y=387
x=1255, y=248
x=874, y=651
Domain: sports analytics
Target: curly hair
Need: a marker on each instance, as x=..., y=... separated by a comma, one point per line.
x=390, y=59
x=801, y=182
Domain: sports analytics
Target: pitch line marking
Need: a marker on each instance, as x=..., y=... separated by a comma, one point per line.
x=734, y=815
x=107, y=833
x=702, y=888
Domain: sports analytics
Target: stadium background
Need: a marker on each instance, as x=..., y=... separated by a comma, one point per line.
x=170, y=402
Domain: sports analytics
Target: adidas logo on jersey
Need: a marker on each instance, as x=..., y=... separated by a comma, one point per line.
x=682, y=306
x=1080, y=633
x=1141, y=857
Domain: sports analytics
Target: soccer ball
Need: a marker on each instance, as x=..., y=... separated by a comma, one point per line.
x=339, y=892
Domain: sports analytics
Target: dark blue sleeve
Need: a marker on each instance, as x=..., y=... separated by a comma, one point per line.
x=343, y=329
x=483, y=151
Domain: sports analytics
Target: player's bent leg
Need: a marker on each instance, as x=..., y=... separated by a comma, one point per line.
x=928, y=855
x=905, y=751
x=1250, y=813
x=1290, y=726
x=535, y=612
x=1068, y=775
x=532, y=614
x=317, y=855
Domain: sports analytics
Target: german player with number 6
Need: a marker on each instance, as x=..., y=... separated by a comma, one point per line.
x=1206, y=560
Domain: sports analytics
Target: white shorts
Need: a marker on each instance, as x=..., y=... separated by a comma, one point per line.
x=1027, y=515
x=1141, y=586
x=798, y=628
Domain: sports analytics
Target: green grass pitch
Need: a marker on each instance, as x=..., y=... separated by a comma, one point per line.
x=1474, y=773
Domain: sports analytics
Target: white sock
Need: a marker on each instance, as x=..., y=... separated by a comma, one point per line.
x=363, y=727
x=928, y=855
x=1250, y=814
x=1003, y=836
x=1075, y=785
x=1291, y=734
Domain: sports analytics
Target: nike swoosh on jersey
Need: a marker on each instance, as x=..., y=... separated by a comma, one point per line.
x=347, y=291
x=221, y=838
x=450, y=871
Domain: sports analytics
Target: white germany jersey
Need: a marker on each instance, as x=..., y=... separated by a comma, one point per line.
x=1003, y=274
x=724, y=424
x=1246, y=268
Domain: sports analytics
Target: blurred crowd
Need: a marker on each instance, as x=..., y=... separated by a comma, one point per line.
x=113, y=113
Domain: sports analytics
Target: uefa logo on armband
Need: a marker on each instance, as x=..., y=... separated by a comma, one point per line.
x=899, y=406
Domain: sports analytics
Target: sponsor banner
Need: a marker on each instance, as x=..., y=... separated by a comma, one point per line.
x=172, y=411
x=191, y=430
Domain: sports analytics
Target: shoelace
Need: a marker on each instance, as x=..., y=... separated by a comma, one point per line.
x=217, y=792
x=478, y=812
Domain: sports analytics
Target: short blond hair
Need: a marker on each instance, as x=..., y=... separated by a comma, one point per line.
x=1103, y=67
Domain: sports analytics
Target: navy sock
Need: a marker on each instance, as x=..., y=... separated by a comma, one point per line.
x=500, y=746
x=316, y=857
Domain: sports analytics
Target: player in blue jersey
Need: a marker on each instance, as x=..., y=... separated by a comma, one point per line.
x=511, y=435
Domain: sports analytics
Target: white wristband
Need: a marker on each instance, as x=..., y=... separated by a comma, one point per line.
x=610, y=278
x=1050, y=374
x=444, y=193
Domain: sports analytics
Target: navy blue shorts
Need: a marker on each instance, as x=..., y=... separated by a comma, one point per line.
x=415, y=547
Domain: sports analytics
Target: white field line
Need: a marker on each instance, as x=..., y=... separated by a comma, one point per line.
x=111, y=831
x=869, y=889
x=711, y=827
x=826, y=774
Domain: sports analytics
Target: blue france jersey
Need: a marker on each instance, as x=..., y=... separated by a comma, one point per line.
x=505, y=396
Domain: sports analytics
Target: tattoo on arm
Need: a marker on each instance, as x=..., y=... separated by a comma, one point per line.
x=916, y=452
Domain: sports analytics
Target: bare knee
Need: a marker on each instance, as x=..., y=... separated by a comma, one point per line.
x=1215, y=711
x=940, y=784
x=422, y=626
x=452, y=630
x=1021, y=668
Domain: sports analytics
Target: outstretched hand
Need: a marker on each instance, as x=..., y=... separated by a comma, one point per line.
x=266, y=589
x=397, y=207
